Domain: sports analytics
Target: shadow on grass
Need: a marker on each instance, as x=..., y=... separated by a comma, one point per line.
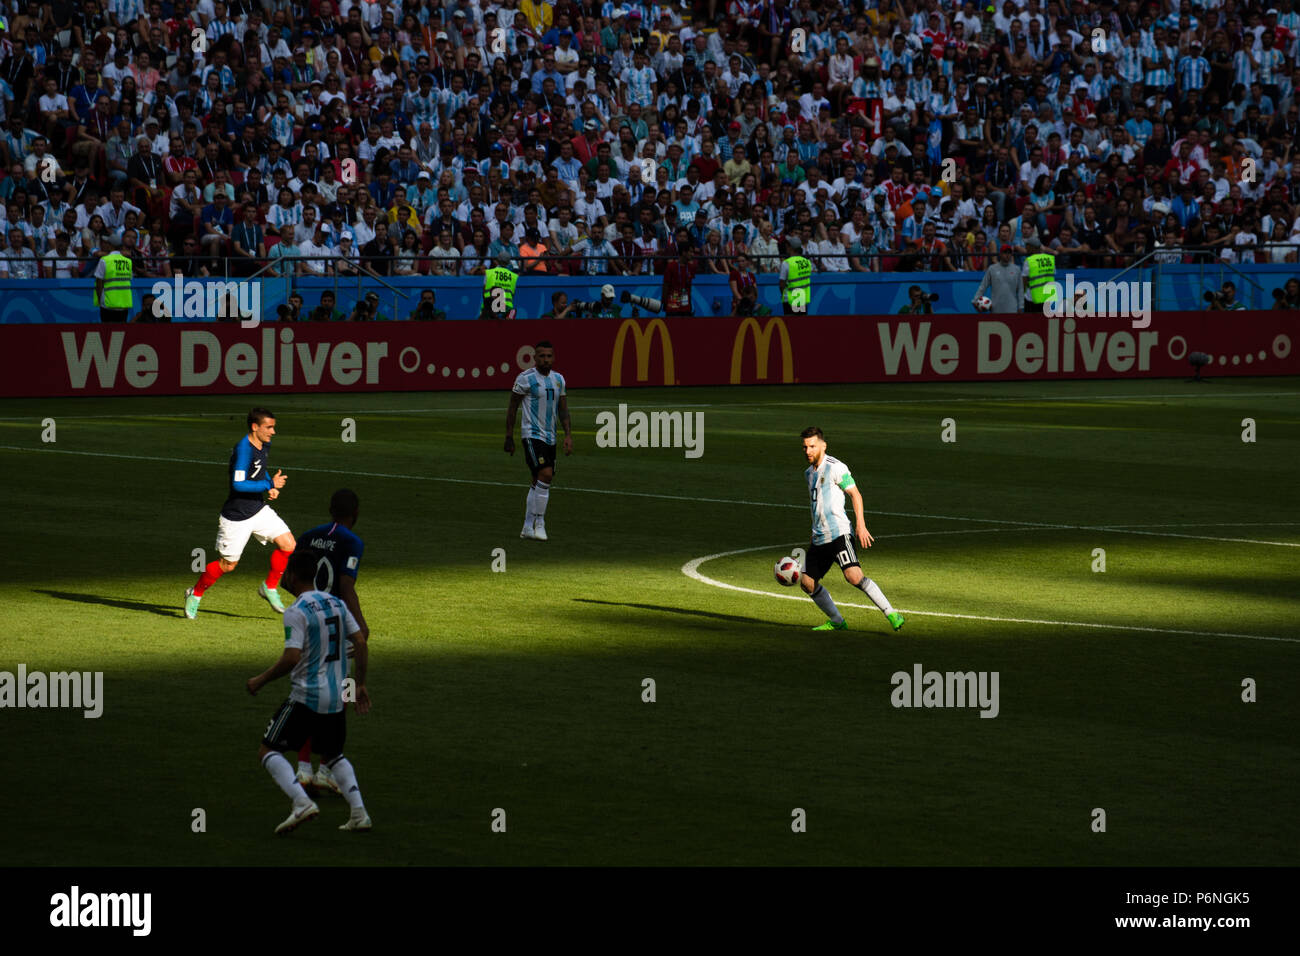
x=162, y=610
x=734, y=618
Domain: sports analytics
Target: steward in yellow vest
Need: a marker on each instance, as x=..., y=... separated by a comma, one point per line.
x=113, y=276
x=499, y=305
x=795, y=279
x=1040, y=274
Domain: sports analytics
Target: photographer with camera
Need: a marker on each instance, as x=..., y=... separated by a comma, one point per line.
x=607, y=307
x=1225, y=300
x=426, y=310
x=919, y=303
x=1287, y=297
x=325, y=312
x=367, y=309
x=561, y=308
x=653, y=306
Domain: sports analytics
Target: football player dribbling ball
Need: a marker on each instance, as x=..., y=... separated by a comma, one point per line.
x=829, y=481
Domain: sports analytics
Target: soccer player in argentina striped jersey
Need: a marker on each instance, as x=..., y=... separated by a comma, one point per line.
x=317, y=626
x=540, y=390
x=336, y=574
x=829, y=481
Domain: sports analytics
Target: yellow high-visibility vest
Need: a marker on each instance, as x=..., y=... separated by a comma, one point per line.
x=117, y=282
x=503, y=279
x=798, y=283
x=1042, y=273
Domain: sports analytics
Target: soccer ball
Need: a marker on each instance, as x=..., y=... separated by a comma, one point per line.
x=983, y=304
x=786, y=571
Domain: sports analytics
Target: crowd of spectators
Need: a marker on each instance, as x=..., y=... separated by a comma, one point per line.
x=427, y=137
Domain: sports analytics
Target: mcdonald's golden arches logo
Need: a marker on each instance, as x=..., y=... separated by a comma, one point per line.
x=642, y=340
x=762, y=347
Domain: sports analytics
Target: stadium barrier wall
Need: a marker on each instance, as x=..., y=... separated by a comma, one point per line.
x=140, y=359
x=1174, y=288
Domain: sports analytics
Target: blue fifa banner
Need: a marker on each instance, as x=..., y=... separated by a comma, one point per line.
x=1174, y=288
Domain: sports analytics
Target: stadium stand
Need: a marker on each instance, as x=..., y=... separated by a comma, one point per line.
x=424, y=138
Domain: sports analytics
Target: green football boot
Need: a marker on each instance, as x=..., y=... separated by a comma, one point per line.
x=272, y=597
x=832, y=626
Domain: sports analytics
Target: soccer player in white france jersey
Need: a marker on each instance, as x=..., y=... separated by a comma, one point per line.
x=540, y=390
x=317, y=628
x=829, y=481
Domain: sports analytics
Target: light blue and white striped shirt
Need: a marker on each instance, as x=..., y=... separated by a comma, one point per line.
x=452, y=101
x=126, y=12
x=320, y=626
x=1129, y=66
x=542, y=394
x=640, y=85
x=280, y=217
x=888, y=58
x=219, y=28
x=1271, y=62
x=1243, y=72
x=282, y=128
x=826, y=486
x=1193, y=71
x=1161, y=72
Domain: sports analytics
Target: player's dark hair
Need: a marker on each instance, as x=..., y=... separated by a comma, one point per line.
x=344, y=503
x=812, y=431
x=301, y=569
x=259, y=415
x=543, y=344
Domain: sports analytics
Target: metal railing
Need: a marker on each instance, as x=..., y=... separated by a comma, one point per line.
x=233, y=267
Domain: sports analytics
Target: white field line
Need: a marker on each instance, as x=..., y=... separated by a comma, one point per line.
x=1086, y=399
x=691, y=570
x=1216, y=524
x=662, y=497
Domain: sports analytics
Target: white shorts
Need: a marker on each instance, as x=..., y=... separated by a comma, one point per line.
x=232, y=536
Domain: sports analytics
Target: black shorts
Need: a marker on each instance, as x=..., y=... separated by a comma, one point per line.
x=539, y=455
x=294, y=724
x=822, y=556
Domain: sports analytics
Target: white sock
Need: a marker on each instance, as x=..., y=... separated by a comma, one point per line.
x=872, y=590
x=541, y=495
x=281, y=772
x=532, y=503
x=346, y=778
x=822, y=598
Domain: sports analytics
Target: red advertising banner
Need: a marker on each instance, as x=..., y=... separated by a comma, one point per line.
x=59, y=360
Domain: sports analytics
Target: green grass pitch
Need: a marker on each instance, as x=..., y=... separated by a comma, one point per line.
x=522, y=690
